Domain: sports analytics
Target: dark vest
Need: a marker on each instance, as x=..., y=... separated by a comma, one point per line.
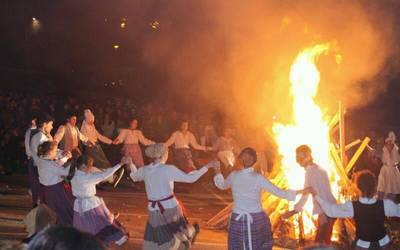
x=370, y=220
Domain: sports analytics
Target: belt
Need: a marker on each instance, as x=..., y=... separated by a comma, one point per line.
x=159, y=204
x=249, y=221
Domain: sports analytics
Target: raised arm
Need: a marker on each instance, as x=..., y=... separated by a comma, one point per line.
x=194, y=144
x=144, y=140
x=222, y=183
x=177, y=175
x=121, y=137
x=391, y=208
x=98, y=177
x=171, y=140
x=136, y=174
x=333, y=210
x=266, y=185
x=59, y=134
x=103, y=138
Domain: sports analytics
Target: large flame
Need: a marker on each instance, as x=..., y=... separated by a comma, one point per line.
x=309, y=125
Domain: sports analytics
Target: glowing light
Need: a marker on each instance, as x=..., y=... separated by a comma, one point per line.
x=155, y=25
x=309, y=126
x=116, y=46
x=36, y=25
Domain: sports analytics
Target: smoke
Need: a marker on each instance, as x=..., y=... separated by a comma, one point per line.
x=235, y=55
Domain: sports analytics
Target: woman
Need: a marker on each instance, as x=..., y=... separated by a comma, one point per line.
x=368, y=213
x=167, y=227
x=249, y=226
x=52, y=172
x=90, y=212
x=389, y=176
x=131, y=138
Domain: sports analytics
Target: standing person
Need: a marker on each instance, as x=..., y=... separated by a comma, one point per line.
x=32, y=170
x=389, y=176
x=131, y=138
x=90, y=212
x=183, y=139
x=368, y=213
x=69, y=136
x=226, y=148
x=316, y=178
x=43, y=134
x=249, y=227
x=96, y=152
x=52, y=173
x=167, y=227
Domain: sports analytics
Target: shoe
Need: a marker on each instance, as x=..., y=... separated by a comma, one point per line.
x=196, y=231
x=122, y=241
x=119, y=177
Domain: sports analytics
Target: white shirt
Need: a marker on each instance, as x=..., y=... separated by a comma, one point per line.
x=28, y=141
x=130, y=136
x=84, y=188
x=390, y=158
x=36, y=140
x=159, y=181
x=317, y=178
x=247, y=187
x=51, y=172
x=346, y=210
x=183, y=140
x=90, y=131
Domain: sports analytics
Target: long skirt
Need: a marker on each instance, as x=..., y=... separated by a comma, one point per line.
x=389, y=180
x=134, y=152
x=98, y=221
x=168, y=231
x=34, y=183
x=261, y=236
x=183, y=159
x=59, y=198
x=99, y=158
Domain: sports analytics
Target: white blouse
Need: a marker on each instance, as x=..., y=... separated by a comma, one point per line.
x=247, y=187
x=90, y=131
x=184, y=140
x=129, y=136
x=36, y=140
x=159, y=181
x=84, y=188
x=51, y=172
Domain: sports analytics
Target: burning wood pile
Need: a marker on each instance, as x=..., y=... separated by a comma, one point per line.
x=312, y=127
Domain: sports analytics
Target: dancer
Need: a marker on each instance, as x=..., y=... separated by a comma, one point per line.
x=226, y=148
x=131, y=138
x=249, y=226
x=182, y=139
x=90, y=212
x=167, y=227
x=52, y=172
x=32, y=170
x=96, y=152
x=69, y=136
x=317, y=178
x=389, y=176
x=368, y=213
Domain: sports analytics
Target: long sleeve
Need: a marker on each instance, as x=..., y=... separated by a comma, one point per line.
x=333, y=210
x=59, y=170
x=103, y=175
x=177, y=175
x=221, y=183
x=136, y=174
x=194, y=144
x=121, y=136
x=271, y=188
x=103, y=138
x=144, y=140
x=27, y=142
x=171, y=140
x=59, y=134
x=391, y=208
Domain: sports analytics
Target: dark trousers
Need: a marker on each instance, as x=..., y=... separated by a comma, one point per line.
x=324, y=230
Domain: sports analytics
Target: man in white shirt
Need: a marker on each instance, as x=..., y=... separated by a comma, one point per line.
x=183, y=139
x=316, y=178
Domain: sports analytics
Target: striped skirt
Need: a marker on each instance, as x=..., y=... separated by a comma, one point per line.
x=60, y=199
x=99, y=222
x=261, y=236
x=134, y=152
x=183, y=159
x=168, y=231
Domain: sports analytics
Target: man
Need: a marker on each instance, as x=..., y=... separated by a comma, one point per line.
x=316, y=178
x=226, y=148
x=32, y=171
x=69, y=136
x=183, y=139
x=45, y=125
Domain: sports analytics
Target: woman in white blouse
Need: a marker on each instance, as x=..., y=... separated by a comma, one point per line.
x=167, y=226
x=250, y=227
x=90, y=212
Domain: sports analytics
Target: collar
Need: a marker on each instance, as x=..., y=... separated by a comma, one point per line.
x=365, y=200
x=248, y=170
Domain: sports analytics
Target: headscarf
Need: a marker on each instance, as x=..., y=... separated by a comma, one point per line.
x=155, y=151
x=391, y=137
x=89, y=117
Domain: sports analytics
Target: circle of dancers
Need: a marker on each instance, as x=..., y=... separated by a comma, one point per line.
x=64, y=170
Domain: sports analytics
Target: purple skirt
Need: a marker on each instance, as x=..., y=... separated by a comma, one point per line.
x=98, y=221
x=261, y=236
x=134, y=152
x=34, y=183
x=61, y=201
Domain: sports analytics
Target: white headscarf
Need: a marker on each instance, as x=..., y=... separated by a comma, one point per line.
x=89, y=117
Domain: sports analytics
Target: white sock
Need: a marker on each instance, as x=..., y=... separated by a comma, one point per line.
x=121, y=241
